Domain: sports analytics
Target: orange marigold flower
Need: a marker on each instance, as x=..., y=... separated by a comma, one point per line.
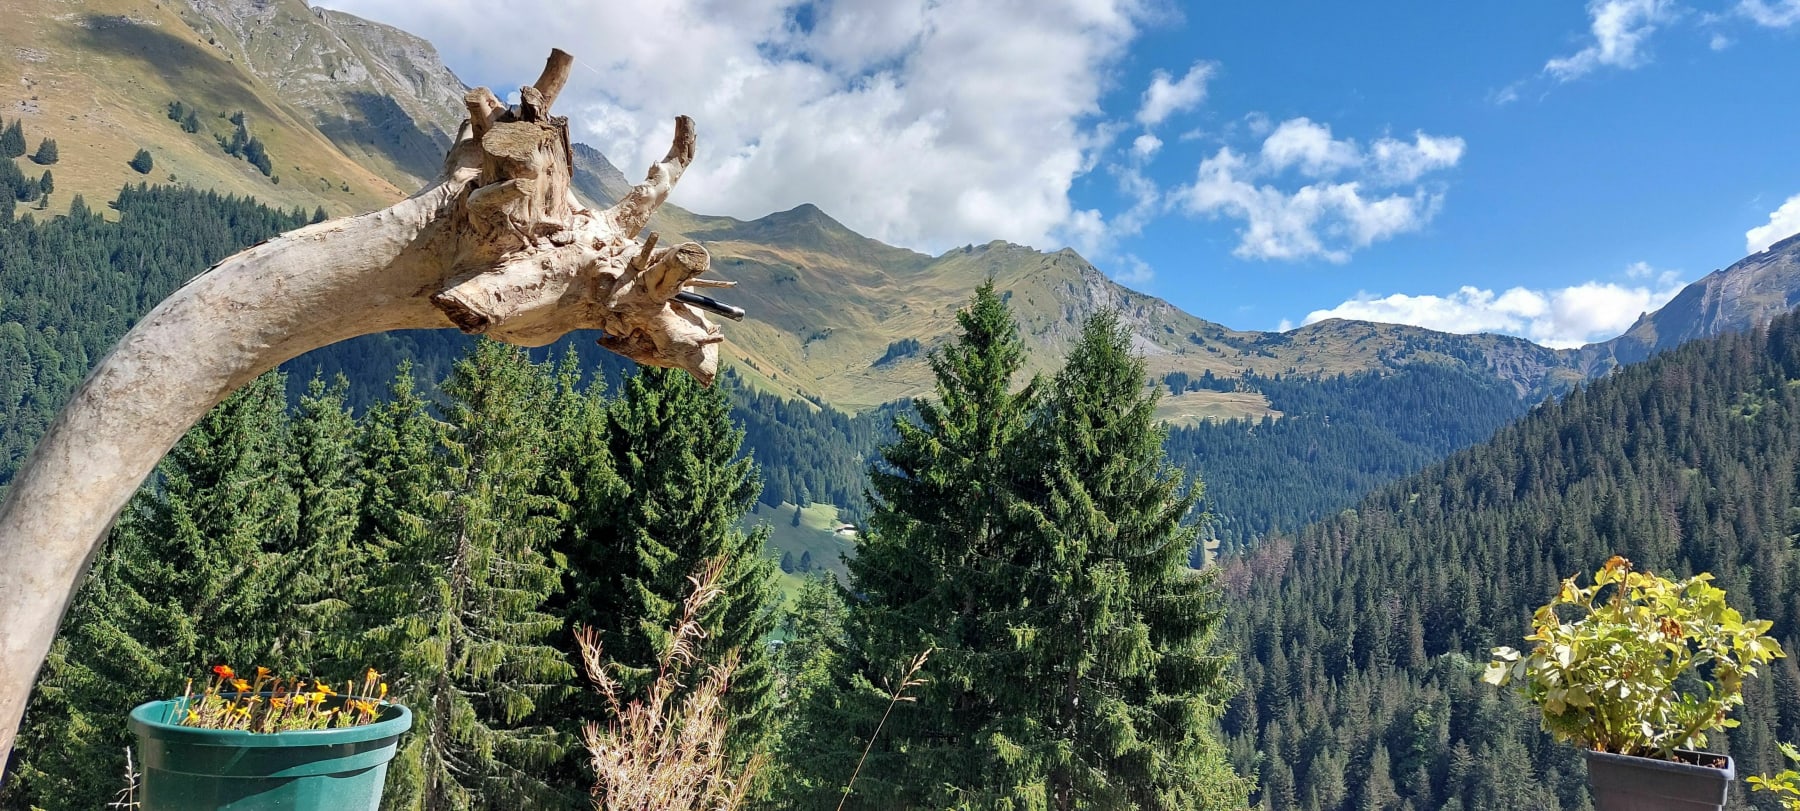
x=223, y=671
x=262, y=673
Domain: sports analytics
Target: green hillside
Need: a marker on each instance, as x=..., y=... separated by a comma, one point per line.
x=1362, y=636
x=99, y=79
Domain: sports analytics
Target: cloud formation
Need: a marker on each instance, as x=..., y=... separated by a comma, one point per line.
x=1783, y=222
x=1357, y=196
x=924, y=124
x=1557, y=318
x=1166, y=96
x=1621, y=29
x=1776, y=14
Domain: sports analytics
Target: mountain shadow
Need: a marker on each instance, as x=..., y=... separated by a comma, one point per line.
x=383, y=128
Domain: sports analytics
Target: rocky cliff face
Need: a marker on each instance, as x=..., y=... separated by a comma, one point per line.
x=1741, y=297
x=383, y=96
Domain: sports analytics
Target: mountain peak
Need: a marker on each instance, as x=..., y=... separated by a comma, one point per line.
x=1742, y=297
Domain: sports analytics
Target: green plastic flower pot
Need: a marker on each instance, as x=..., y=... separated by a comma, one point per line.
x=189, y=769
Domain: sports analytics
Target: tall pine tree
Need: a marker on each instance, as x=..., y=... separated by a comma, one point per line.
x=942, y=567
x=467, y=571
x=326, y=566
x=12, y=140
x=671, y=501
x=1121, y=629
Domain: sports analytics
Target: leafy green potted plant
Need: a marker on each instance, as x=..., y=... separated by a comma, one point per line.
x=268, y=743
x=1638, y=677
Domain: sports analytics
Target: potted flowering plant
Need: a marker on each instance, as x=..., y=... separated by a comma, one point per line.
x=1637, y=669
x=264, y=742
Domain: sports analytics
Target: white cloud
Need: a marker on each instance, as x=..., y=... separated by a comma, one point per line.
x=1783, y=222
x=1146, y=201
x=1777, y=14
x=1132, y=271
x=1300, y=142
x=1620, y=29
x=925, y=124
x=1558, y=318
x=1401, y=162
x=1145, y=146
x=1167, y=96
x=1327, y=218
x=1719, y=42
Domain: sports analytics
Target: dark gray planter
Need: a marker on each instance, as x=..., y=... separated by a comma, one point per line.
x=1626, y=783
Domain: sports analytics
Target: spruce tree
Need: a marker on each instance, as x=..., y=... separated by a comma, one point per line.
x=327, y=565
x=46, y=152
x=1120, y=629
x=180, y=585
x=941, y=568
x=15, y=184
x=467, y=571
x=46, y=184
x=12, y=140
x=673, y=501
x=812, y=632
x=142, y=162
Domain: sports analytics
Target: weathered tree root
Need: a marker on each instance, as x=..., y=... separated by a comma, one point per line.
x=498, y=245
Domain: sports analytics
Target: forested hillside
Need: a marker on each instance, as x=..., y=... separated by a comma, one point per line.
x=70, y=286
x=1362, y=636
x=1337, y=440
x=73, y=285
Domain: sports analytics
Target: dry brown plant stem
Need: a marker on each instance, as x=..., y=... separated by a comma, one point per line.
x=907, y=681
x=666, y=751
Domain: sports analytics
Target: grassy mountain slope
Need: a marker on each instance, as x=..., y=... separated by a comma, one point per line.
x=98, y=77
x=356, y=113
x=380, y=94
x=829, y=305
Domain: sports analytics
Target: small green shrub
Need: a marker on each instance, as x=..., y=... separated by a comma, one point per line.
x=1606, y=671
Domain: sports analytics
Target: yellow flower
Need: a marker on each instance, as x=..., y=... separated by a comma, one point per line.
x=193, y=717
x=241, y=685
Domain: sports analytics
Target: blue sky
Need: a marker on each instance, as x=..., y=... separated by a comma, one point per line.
x=1548, y=169
x=1618, y=174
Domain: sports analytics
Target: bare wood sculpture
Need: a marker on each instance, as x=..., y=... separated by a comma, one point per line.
x=498, y=246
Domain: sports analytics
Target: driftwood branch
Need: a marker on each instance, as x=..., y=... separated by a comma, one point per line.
x=498, y=245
